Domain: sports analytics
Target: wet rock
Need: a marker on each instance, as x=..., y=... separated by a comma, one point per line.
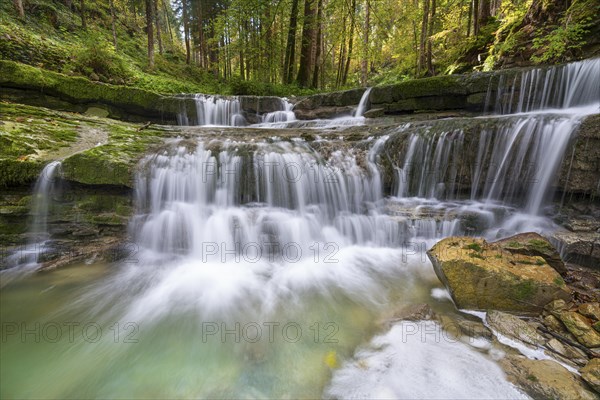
x=591, y=373
x=481, y=275
x=580, y=247
x=374, y=113
x=544, y=379
x=570, y=353
x=411, y=312
x=590, y=310
x=458, y=326
x=554, y=324
x=581, y=328
x=556, y=306
x=414, y=312
x=514, y=328
x=534, y=244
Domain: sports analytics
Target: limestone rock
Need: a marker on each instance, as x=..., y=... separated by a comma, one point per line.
x=590, y=310
x=514, y=328
x=458, y=327
x=481, y=275
x=544, y=379
x=569, y=352
x=374, y=113
x=591, y=373
x=581, y=328
x=534, y=244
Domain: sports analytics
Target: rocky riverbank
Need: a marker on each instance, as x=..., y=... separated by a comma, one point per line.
x=550, y=336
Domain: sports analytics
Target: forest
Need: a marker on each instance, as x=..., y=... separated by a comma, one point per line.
x=291, y=46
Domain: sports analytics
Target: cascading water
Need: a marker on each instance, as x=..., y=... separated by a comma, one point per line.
x=263, y=254
x=25, y=260
x=518, y=159
x=212, y=111
x=362, y=105
x=284, y=115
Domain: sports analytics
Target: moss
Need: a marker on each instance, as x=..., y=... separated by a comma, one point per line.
x=473, y=246
x=514, y=244
x=559, y=281
x=476, y=255
x=532, y=378
x=81, y=90
x=524, y=290
x=540, y=245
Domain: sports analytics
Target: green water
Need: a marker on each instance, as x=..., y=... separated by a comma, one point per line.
x=57, y=343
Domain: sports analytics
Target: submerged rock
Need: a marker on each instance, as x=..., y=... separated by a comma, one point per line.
x=481, y=275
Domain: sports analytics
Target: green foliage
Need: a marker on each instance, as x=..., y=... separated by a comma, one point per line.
x=560, y=43
x=98, y=56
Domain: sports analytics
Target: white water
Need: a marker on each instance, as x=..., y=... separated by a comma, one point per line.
x=285, y=114
x=25, y=260
x=212, y=111
x=362, y=105
x=418, y=360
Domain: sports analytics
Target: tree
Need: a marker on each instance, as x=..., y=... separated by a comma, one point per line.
x=186, y=31
x=82, y=12
x=307, y=45
x=157, y=22
x=423, y=40
x=150, y=32
x=19, y=7
x=113, y=23
x=364, y=65
x=290, y=50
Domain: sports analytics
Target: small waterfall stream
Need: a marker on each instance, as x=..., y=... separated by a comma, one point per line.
x=25, y=260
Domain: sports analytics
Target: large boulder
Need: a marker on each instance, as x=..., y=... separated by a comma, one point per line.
x=481, y=275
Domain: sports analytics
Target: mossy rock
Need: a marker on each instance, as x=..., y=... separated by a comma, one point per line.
x=481, y=276
x=79, y=90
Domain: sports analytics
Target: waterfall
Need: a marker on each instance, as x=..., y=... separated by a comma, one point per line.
x=27, y=258
x=362, y=105
x=518, y=158
x=559, y=87
x=211, y=111
x=285, y=114
x=427, y=165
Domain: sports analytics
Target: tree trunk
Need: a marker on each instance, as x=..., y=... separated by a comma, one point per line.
x=82, y=11
x=470, y=18
x=290, y=49
x=19, y=7
x=484, y=12
x=306, y=48
x=113, y=23
x=475, y=17
x=423, y=41
x=364, y=65
x=157, y=21
x=166, y=13
x=149, y=28
x=430, y=70
x=317, y=61
x=350, y=42
x=186, y=31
